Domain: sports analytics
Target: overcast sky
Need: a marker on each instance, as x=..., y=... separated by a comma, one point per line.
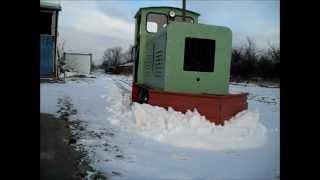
x=93, y=26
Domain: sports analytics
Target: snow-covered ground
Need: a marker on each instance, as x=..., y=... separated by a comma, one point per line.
x=137, y=141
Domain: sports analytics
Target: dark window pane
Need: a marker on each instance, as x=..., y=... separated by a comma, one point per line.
x=199, y=54
x=45, y=22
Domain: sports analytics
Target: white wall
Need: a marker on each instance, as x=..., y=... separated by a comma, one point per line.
x=80, y=63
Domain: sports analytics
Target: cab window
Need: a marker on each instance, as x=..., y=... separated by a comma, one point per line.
x=155, y=22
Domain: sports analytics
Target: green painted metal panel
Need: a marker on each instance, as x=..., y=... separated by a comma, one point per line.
x=178, y=80
x=164, y=9
x=155, y=62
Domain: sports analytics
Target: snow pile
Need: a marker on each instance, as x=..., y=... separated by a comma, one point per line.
x=140, y=141
x=188, y=130
x=192, y=130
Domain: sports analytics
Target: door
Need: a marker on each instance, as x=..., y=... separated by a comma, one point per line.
x=47, y=43
x=46, y=55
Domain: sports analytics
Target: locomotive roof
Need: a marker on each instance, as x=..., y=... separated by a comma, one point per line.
x=165, y=7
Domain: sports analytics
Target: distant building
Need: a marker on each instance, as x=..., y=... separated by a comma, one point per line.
x=48, y=39
x=78, y=62
x=124, y=69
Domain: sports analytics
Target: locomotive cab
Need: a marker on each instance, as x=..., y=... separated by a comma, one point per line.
x=149, y=21
x=182, y=64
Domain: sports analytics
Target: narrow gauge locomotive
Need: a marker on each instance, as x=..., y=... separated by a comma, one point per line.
x=183, y=64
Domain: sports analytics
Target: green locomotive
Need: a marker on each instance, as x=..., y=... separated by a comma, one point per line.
x=177, y=59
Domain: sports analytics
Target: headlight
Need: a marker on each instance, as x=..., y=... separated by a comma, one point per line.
x=172, y=13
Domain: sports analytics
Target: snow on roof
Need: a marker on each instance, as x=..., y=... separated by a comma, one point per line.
x=127, y=64
x=50, y=5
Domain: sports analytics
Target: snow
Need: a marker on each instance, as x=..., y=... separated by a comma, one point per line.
x=127, y=140
x=74, y=74
x=191, y=130
x=127, y=64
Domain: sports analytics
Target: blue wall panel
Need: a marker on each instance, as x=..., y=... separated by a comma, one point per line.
x=46, y=55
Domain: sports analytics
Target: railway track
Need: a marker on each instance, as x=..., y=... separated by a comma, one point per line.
x=123, y=85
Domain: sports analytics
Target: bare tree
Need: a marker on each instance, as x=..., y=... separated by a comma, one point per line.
x=250, y=50
x=60, y=49
x=248, y=63
x=112, y=56
x=275, y=54
x=127, y=55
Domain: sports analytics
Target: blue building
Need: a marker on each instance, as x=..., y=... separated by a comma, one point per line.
x=48, y=39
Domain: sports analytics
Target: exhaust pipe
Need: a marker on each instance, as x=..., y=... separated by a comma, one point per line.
x=183, y=10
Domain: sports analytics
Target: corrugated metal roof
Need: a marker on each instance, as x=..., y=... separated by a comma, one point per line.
x=49, y=5
x=155, y=7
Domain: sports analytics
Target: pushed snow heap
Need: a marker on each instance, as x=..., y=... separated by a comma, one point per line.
x=192, y=130
x=189, y=130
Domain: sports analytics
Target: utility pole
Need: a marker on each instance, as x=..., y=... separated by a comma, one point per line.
x=184, y=10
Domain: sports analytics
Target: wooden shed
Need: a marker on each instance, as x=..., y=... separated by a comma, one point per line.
x=48, y=39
